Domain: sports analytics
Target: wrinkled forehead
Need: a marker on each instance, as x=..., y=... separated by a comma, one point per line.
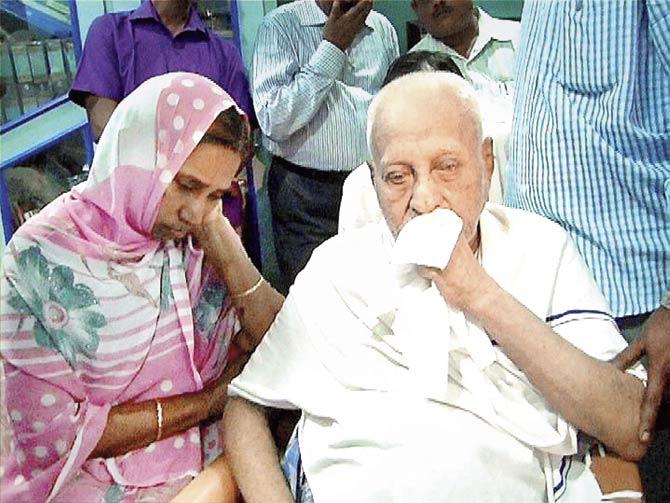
x=424, y=129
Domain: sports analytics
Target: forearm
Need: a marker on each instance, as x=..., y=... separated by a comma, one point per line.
x=252, y=453
x=591, y=394
x=132, y=426
x=99, y=111
x=225, y=253
x=286, y=103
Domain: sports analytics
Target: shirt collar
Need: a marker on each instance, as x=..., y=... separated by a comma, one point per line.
x=490, y=28
x=310, y=14
x=146, y=10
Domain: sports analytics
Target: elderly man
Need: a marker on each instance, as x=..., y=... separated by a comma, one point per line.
x=467, y=382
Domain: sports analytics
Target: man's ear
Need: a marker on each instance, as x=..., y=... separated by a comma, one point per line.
x=487, y=155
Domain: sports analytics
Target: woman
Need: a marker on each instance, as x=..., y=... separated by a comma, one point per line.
x=116, y=329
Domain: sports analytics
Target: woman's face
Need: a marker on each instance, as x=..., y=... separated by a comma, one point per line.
x=195, y=191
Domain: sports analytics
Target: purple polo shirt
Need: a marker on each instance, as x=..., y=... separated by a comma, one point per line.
x=124, y=49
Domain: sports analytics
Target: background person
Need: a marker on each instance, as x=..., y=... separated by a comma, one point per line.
x=316, y=66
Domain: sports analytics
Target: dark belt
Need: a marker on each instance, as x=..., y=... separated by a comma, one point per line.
x=312, y=174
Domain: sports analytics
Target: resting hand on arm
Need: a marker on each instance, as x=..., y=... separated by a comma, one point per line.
x=593, y=395
x=132, y=426
x=225, y=253
x=654, y=342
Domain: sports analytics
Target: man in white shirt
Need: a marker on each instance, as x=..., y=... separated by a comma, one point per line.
x=479, y=44
x=316, y=66
x=467, y=381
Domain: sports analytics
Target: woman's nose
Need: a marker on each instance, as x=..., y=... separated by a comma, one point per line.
x=192, y=213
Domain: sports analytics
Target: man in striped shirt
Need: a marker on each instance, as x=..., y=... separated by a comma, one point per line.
x=590, y=145
x=316, y=66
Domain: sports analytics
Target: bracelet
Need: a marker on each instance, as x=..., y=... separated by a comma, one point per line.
x=249, y=291
x=159, y=420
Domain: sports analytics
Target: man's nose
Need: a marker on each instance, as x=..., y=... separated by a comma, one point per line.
x=425, y=196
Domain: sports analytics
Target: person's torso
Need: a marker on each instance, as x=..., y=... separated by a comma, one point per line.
x=590, y=146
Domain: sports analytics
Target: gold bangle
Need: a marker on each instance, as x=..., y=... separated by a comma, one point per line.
x=159, y=420
x=249, y=291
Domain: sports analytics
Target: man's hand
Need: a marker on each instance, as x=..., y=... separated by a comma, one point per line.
x=654, y=342
x=463, y=283
x=343, y=25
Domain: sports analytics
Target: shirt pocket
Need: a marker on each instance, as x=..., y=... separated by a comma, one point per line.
x=587, y=49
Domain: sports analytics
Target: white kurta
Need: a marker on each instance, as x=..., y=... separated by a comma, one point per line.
x=480, y=432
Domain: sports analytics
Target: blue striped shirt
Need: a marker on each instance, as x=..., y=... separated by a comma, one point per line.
x=590, y=143
x=311, y=98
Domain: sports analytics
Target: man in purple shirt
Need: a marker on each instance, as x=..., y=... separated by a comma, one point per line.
x=124, y=49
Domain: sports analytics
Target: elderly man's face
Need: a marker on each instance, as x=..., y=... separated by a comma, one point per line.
x=427, y=158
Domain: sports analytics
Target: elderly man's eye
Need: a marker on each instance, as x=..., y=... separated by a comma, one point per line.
x=395, y=178
x=447, y=167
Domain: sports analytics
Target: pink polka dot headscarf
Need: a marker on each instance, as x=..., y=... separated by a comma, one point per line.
x=146, y=141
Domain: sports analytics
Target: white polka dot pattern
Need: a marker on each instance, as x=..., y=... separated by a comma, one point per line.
x=16, y=416
x=166, y=176
x=173, y=99
x=178, y=123
x=179, y=442
x=39, y=426
x=198, y=104
x=48, y=400
x=187, y=83
x=40, y=451
x=19, y=480
x=166, y=386
x=60, y=446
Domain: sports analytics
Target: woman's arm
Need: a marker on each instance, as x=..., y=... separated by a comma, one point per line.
x=132, y=426
x=225, y=253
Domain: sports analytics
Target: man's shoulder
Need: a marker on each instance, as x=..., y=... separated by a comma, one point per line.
x=348, y=250
x=226, y=47
x=377, y=19
x=285, y=15
x=523, y=228
x=501, y=29
x=110, y=22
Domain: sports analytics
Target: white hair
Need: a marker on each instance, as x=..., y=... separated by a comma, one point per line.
x=417, y=85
